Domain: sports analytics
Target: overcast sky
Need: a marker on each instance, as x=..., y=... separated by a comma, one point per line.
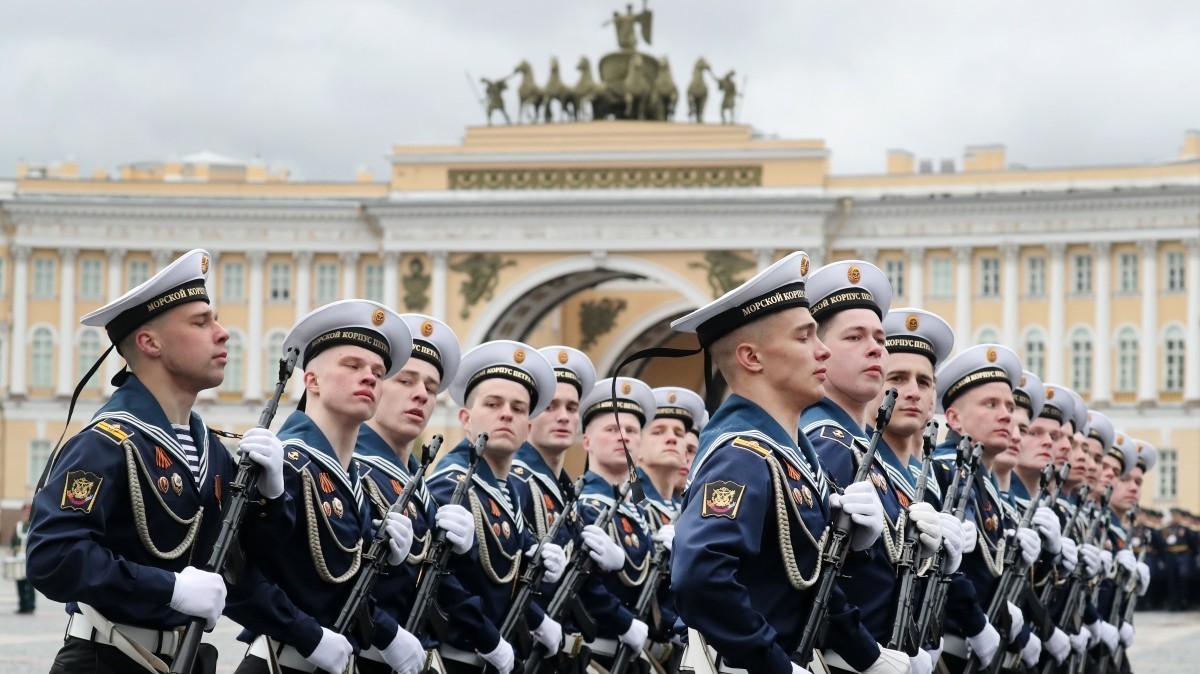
x=323, y=86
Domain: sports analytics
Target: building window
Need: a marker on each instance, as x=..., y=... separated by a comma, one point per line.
x=327, y=283
x=989, y=277
x=89, y=353
x=1035, y=352
x=281, y=282
x=1081, y=360
x=1127, y=360
x=940, y=282
x=43, y=278
x=39, y=455
x=1035, y=277
x=234, y=362
x=894, y=270
x=1173, y=359
x=1176, y=271
x=1127, y=271
x=3, y=277
x=138, y=272
x=91, y=285
x=271, y=361
x=373, y=283
x=1082, y=265
x=988, y=336
x=233, y=279
x=41, y=371
x=1168, y=473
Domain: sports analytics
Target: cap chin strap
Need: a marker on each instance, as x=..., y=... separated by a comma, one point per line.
x=71, y=412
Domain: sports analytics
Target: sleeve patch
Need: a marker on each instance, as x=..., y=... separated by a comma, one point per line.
x=112, y=430
x=722, y=498
x=80, y=490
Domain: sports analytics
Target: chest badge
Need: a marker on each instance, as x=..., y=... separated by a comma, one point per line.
x=338, y=508
x=326, y=483
x=505, y=529
x=396, y=486
x=177, y=483
x=163, y=484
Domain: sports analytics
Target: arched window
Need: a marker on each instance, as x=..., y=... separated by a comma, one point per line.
x=1173, y=354
x=234, y=363
x=1035, y=352
x=41, y=370
x=1081, y=360
x=1127, y=360
x=274, y=351
x=988, y=336
x=89, y=350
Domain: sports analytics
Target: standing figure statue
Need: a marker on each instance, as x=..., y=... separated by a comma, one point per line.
x=625, y=25
x=729, y=100
x=697, y=92
x=495, y=97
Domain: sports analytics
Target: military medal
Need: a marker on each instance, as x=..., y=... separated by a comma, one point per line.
x=163, y=484
x=796, y=496
x=792, y=472
x=396, y=486
x=495, y=508
x=506, y=529
x=879, y=482
x=496, y=530
x=338, y=509
x=806, y=495
x=325, y=507
x=326, y=483
x=177, y=483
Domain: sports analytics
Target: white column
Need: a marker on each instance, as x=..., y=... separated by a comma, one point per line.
x=1010, y=291
x=391, y=280
x=116, y=264
x=20, y=319
x=916, y=277
x=1055, y=354
x=1148, y=381
x=350, y=274
x=1102, y=356
x=67, y=257
x=1191, y=358
x=765, y=257
x=162, y=258
x=254, y=327
x=962, y=298
x=303, y=260
x=438, y=283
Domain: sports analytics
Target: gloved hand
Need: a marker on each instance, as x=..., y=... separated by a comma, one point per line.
x=1070, y=555
x=935, y=656
x=501, y=658
x=1105, y=634
x=263, y=448
x=1143, y=578
x=332, y=653
x=400, y=534
x=1018, y=622
x=635, y=636
x=1091, y=558
x=554, y=558
x=952, y=540
x=970, y=536
x=985, y=644
x=1126, y=560
x=200, y=594
x=1031, y=545
x=1093, y=630
x=1106, y=561
x=405, y=654
x=549, y=634
x=1079, y=641
x=601, y=547
x=861, y=502
x=929, y=526
x=1045, y=521
x=797, y=669
x=920, y=663
x=889, y=662
x=666, y=536
x=459, y=526
x=1058, y=645
x=1032, y=651
x=1126, y=634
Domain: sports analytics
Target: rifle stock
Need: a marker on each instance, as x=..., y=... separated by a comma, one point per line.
x=904, y=636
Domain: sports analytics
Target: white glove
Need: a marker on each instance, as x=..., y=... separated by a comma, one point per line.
x=501, y=658
x=554, y=558
x=332, y=654
x=1127, y=561
x=459, y=526
x=888, y=662
x=1032, y=651
x=1105, y=633
x=1018, y=622
x=797, y=669
x=635, y=636
x=985, y=644
x=1143, y=570
x=1070, y=555
x=666, y=536
x=405, y=654
x=601, y=547
x=929, y=526
x=1106, y=561
x=952, y=540
x=920, y=663
x=1091, y=558
x=935, y=656
x=400, y=534
x=549, y=634
x=1126, y=634
x=1079, y=641
x=1058, y=645
x=970, y=534
x=200, y=594
x=263, y=448
x=1093, y=630
x=1047, y=524
x=861, y=502
x=1031, y=545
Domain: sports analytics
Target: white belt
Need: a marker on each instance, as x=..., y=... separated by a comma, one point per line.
x=607, y=647
x=952, y=644
x=373, y=655
x=160, y=642
x=286, y=656
x=459, y=655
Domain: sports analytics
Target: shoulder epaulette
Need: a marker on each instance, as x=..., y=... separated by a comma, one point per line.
x=751, y=445
x=837, y=435
x=112, y=430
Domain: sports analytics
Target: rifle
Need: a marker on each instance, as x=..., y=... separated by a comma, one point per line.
x=433, y=567
x=579, y=568
x=354, y=611
x=834, y=554
x=1036, y=603
x=904, y=636
x=660, y=567
x=245, y=482
x=1073, y=608
x=929, y=622
x=1117, y=616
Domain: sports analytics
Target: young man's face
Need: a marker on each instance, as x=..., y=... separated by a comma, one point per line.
x=1110, y=470
x=1038, y=444
x=912, y=377
x=663, y=444
x=1127, y=490
x=500, y=408
x=792, y=356
x=346, y=379
x=984, y=413
x=1096, y=452
x=1062, y=445
x=855, y=339
x=606, y=437
x=191, y=345
x=406, y=401
x=691, y=445
x=1080, y=457
x=1010, y=457
x=555, y=428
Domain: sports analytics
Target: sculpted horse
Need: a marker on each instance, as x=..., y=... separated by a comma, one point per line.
x=637, y=89
x=555, y=90
x=585, y=91
x=529, y=94
x=665, y=94
x=697, y=92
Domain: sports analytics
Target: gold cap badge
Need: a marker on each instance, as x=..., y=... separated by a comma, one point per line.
x=203, y=264
x=626, y=388
x=377, y=317
x=1049, y=392
x=804, y=266
x=670, y=397
x=912, y=323
x=563, y=357
x=991, y=355
x=853, y=274
x=519, y=356
x=426, y=328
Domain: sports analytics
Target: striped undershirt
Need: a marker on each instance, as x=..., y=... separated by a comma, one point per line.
x=507, y=497
x=184, y=433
